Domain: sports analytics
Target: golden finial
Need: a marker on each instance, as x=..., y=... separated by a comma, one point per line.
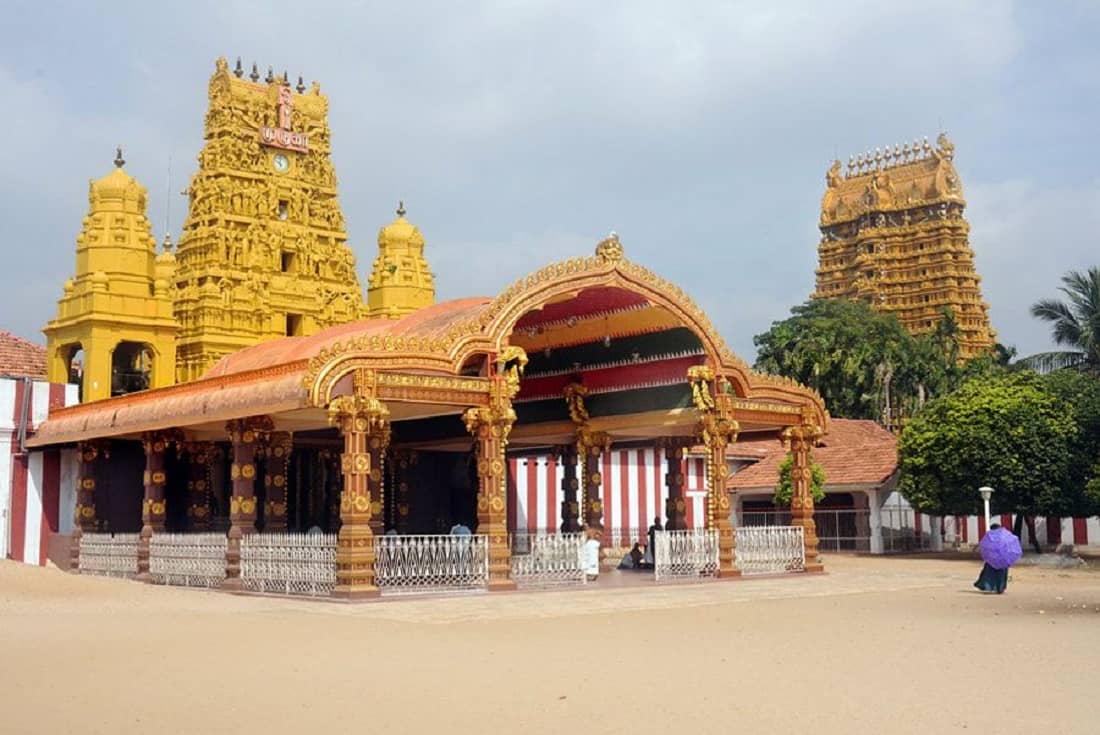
x=610, y=249
x=119, y=160
x=401, y=208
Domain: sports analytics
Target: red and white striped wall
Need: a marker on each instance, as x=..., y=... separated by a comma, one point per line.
x=37, y=487
x=634, y=491
x=1048, y=530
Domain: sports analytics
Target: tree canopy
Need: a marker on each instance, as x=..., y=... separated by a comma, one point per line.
x=864, y=363
x=1080, y=398
x=1006, y=431
x=1074, y=323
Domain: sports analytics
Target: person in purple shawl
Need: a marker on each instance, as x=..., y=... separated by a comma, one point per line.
x=992, y=580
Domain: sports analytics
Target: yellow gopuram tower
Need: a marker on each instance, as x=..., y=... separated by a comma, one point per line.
x=115, y=317
x=894, y=235
x=401, y=281
x=263, y=253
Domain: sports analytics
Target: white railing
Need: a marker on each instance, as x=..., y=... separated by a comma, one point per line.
x=685, y=555
x=431, y=563
x=550, y=560
x=187, y=559
x=770, y=549
x=289, y=563
x=109, y=554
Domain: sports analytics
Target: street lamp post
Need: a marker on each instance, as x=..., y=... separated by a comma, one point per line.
x=985, y=493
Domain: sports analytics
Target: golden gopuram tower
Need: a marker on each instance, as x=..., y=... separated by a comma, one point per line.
x=401, y=281
x=893, y=234
x=114, y=331
x=263, y=252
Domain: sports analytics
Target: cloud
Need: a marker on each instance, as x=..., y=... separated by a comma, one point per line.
x=521, y=133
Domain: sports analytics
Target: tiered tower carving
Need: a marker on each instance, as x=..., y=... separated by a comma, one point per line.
x=114, y=332
x=263, y=253
x=894, y=235
x=401, y=281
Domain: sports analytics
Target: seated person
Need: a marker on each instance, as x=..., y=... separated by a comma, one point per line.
x=632, y=559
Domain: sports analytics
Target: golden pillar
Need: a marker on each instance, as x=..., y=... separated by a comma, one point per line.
x=378, y=441
x=244, y=436
x=277, y=456
x=800, y=440
x=360, y=420
x=490, y=425
x=200, y=455
x=153, y=506
x=717, y=429
x=675, y=507
x=84, y=520
x=591, y=445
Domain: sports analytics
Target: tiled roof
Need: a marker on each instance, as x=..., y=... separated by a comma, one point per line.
x=433, y=320
x=21, y=358
x=853, y=453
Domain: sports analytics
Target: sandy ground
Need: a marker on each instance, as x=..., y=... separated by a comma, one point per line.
x=898, y=645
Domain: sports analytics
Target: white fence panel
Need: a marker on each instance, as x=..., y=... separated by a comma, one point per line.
x=187, y=559
x=685, y=555
x=289, y=563
x=770, y=549
x=551, y=560
x=109, y=554
x=431, y=563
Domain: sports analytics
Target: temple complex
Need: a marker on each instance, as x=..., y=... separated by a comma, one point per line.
x=893, y=234
x=263, y=253
x=316, y=442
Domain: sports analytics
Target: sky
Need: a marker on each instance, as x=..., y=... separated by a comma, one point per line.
x=521, y=133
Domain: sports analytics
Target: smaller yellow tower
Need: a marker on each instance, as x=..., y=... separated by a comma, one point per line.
x=114, y=332
x=401, y=281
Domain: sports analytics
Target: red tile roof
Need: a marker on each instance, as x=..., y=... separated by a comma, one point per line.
x=853, y=453
x=21, y=358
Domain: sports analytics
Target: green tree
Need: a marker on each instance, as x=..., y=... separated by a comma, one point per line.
x=1080, y=398
x=784, y=488
x=864, y=363
x=1006, y=431
x=1075, y=323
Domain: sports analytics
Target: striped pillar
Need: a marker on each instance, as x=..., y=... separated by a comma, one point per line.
x=153, y=506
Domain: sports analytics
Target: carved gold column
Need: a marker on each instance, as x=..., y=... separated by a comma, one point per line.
x=359, y=418
x=153, y=507
x=200, y=455
x=591, y=445
x=378, y=440
x=800, y=440
x=244, y=436
x=590, y=448
x=570, y=508
x=490, y=425
x=277, y=456
x=675, y=508
x=84, y=520
x=718, y=430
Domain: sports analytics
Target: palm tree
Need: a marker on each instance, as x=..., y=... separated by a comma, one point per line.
x=1075, y=324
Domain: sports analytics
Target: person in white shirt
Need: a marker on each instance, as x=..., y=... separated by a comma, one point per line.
x=592, y=555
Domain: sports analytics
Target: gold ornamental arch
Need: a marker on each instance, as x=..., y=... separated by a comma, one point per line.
x=437, y=359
